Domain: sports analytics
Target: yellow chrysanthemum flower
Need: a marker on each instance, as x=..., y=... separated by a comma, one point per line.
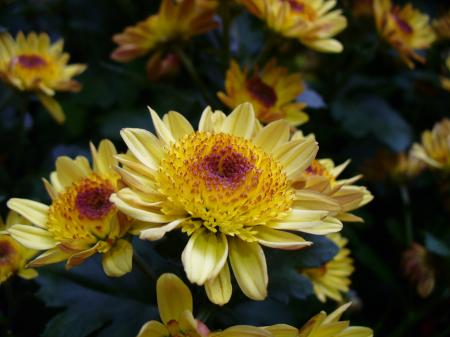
x=312, y=22
x=435, y=147
x=175, y=306
x=33, y=64
x=333, y=278
x=322, y=325
x=229, y=187
x=272, y=92
x=405, y=28
x=14, y=256
x=322, y=176
x=80, y=221
x=177, y=21
x=441, y=26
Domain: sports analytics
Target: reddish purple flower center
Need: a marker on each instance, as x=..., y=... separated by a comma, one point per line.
x=402, y=24
x=261, y=91
x=94, y=203
x=31, y=61
x=5, y=251
x=295, y=6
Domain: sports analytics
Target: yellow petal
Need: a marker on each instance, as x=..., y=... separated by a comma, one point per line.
x=249, y=267
x=178, y=125
x=54, y=255
x=53, y=107
x=242, y=331
x=161, y=129
x=325, y=46
x=69, y=171
x=219, y=289
x=173, y=297
x=296, y=156
x=28, y=273
x=273, y=135
x=336, y=315
x=157, y=233
x=356, y=331
x=241, y=122
x=33, y=211
x=204, y=256
x=279, y=239
x=118, y=260
x=153, y=329
x=282, y=330
x=104, y=160
x=32, y=237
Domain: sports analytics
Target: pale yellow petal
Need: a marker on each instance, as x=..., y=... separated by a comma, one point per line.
x=279, y=239
x=161, y=129
x=296, y=156
x=153, y=329
x=69, y=171
x=104, y=158
x=53, y=107
x=33, y=211
x=28, y=273
x=273, y=135
x=242, y=331
x=241, y=122
x=178, y=125
x=219, y=289
x=32, y=237
x=53, y=255
x=282, y=330
x=118, y=260
x=157, y=233
x=173, y=297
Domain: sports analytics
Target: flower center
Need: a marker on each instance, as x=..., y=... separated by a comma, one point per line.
x=261, y=91
x=83, y=211
x=7, y=249
x=224, y=182
x=295, y=5
x=402, y=24
x=31, y=61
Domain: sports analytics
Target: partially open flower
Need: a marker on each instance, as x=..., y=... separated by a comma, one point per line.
x=161, y=66
x=322, y=325
x=272, y=91
x=405, y=28
x=418, y=268
x=441, y=26
x=435, y=147
x=332, y=279
x=176, y=22
x=229, y=187
x=80, y=221
x=312, y=22
x=13, y=255
x=32, y=63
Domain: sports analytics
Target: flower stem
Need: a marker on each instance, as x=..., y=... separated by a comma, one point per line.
x=143, y=266
x=194, y=75
x=407, y=214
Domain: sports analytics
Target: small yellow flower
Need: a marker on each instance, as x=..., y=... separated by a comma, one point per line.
x=175, y=306
x=435, y=147
x=312, y=22
x=333, y=278
x=14, y=256
x=322, y=325
x=229, y=187
x=33, y=64
x=406, y=29
x=176, y=22
x=417, y=266
x=272, y=92
x=441, y=26
x=80, y=221
x=397, y=167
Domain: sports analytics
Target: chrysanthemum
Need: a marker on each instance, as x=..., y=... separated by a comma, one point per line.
x=362, y=8
x=176, y=22
x=175, y=306
x=32, y=63
x=405, y=28
x=80, y=221
x=441, y=26
x=14, y=256
x=333, y=278
x=229, y=187
x=418, y=268
x=435, y=147
x=272, y=92
x=322, y=325
x=312, y=22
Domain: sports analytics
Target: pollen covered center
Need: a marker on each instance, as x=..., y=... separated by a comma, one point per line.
x=8, y=250
x=224, y=182
x=30, y=61
x=83, y=211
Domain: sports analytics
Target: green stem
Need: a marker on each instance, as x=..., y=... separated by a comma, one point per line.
x=143, y=266
x=407, y=211
x=194, y=75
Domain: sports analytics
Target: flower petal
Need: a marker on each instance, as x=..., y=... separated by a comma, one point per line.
x=51, y=256
x=273, y=135
x=69, y=171
x=118, y=260
x=103, y=158
x=32, y=237
x=296, y=156
x=157, y=233
x=28, y=273
x=53, y=107
x=153, y=329
x=279, y=239
x=249, y=267
x=241, y=122
x=204, y=256
x=173, y=297
x=178, y=125
x=161, y=129
x=242, y=331
x=33, y=211
x=219, y=288
x=282, y=330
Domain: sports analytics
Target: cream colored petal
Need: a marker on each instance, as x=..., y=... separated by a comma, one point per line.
x=81, y=256
x=178, y=125
x=320, y=227
x=118, y=260
x=50, y=189
x=157, y=233
x=241, y=122
x=53, y=107
x=296, y=156
x=356, y=331
x=33, y=211
x=53, y=255
x=104, y=158
x=32, y=237
x=173, y=297
x=69, y=171
x=204, y=256
x=249, y=267
x=279, y=239
x=273, y=135
x=144, y=146
x=161, y=129
x=206, y=121
x=325, y=46
x=54, y=180
x=28, y=273
x=336, y=315
x=242, y=331
x=307, y=199
x=219, y=288
x=282, y=330
x=153, y=329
